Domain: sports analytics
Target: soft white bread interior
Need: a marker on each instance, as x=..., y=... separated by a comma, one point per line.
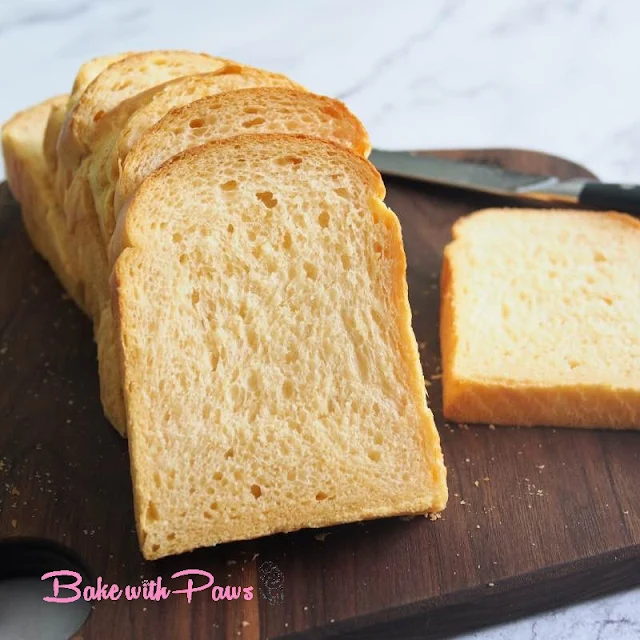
x=539, y=319
x=271, y=374
x=257, y=110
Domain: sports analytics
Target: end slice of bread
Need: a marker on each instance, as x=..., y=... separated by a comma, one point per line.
x=31, y=183
x=256, y=110
x=271, y=375
x=539, y=319
x=32, y=186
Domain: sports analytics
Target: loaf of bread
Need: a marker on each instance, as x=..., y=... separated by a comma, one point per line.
x=539, y=321
x=89, y=199
x=271, y=375
x=280, y=387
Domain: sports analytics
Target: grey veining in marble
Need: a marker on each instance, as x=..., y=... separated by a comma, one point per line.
x=554, y=75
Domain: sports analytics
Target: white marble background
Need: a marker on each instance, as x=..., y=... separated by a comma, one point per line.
x=554, y=75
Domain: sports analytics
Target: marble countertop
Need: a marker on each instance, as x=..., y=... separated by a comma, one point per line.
x=554, y=75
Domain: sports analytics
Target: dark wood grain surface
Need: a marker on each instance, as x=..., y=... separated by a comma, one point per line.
x=537, y=517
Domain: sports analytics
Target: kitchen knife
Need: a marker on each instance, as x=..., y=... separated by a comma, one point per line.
x=485, y=178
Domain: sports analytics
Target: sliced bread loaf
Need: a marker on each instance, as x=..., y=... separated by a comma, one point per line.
x=258, y=110
x=539, y=319
x=271, y=375
x=88, y=189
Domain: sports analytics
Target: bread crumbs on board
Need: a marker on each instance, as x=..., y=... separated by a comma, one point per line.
x=434, y=516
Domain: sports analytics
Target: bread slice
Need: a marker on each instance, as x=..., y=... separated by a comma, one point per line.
x=86, y=74
x=118, y=82
x=31, y=185
x=258, y=110
x=271, y=375
x=539, y=319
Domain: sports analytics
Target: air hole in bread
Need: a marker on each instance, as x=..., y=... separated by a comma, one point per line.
x=342, y=192
x=196, y=123
x=251, y=234
x=311, y=270
x=125, y=84
x=156, y=479
x=377, y=247
x=291, y=475
x=155, y=547
x=607, y=300
x=213, y=506
x=206, y=515
x=206, y=412
x=374, y=455
x=230, y=228
x=598, y=256
x=506, y=311
x=291, y=356
x=267, y=198
x=330, y=111
x=378, y=439
x=295, y=426
x=250, y=110
x=98, y=115
x=252, y=339
x=295, y=161
x=195, y=297
x=257, y=252
x=171, y=536
x=228, y=454
x=217, y=476
x=286, y=243
x=254, y=122
x=152, y=511
x=323, y=219
x=256, y=490
x=230, y=185
x=215, y=359
x=321, y=495
x=346, y=262
x=177, y=237
x=287, y=388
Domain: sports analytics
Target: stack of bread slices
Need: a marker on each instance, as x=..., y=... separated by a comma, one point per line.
x=223, y=230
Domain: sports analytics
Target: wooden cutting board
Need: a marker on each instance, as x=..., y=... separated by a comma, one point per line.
x=537, y=517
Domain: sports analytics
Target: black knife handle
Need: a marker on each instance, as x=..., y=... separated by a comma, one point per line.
x=606, y=195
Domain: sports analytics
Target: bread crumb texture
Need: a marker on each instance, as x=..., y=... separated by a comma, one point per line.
x=271, y=376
